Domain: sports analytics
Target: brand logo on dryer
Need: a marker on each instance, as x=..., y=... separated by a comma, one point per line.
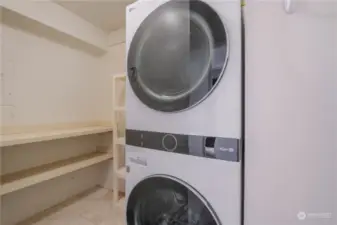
x=223, y=149
x=138, y=161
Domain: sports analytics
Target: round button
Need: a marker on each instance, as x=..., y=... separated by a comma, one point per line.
x=169, y=142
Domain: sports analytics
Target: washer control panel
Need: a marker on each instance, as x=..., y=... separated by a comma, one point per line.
x=222, y=148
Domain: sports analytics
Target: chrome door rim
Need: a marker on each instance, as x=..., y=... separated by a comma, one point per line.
x=156, y=106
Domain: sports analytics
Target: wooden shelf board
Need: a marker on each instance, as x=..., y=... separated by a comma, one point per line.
x=121, y=172
x=22, y=179
x=121, y=141
x=24, y=138
x=121, y=203
x=121, y=76
x=119, y=108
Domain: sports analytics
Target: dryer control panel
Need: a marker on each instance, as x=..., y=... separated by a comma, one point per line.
x=222, y=148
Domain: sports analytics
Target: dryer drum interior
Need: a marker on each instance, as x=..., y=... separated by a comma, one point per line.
x=162, y=200
x=177, y=55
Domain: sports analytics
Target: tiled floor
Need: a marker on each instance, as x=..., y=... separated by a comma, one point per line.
x=92, y=208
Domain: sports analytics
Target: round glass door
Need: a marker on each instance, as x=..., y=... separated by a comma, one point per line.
x=167, y=201
x=178, y=55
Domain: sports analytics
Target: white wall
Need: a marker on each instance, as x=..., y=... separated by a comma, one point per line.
x=55, y=16
x=48, y=77
x=291, y=112
x=117, y=37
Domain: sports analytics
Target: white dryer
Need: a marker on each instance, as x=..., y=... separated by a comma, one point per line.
x=174, y=189
x=184, y=67
x=184, y=110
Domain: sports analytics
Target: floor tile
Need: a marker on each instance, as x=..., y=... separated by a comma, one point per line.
x=95, y=208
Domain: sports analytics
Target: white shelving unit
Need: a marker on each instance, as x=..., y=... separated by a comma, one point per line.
x=120, y=170
x=42, y=172
x=22, y=179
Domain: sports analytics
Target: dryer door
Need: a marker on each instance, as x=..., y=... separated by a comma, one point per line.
x=178, y=55
x=164, y=200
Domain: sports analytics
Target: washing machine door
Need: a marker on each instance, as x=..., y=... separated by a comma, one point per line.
x=165, y=200
x=178, y=55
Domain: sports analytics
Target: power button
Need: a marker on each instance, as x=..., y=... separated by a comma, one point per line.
x=169, y=142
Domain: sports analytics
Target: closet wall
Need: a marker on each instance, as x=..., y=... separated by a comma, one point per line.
x=51, y=78
x=291, y=108
x=45, y=73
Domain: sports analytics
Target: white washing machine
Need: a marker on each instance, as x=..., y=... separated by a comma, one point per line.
x=175, y=189
x=184, y=112
x=184, y=67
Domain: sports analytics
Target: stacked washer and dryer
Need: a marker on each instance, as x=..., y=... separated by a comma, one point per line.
x=184, y=112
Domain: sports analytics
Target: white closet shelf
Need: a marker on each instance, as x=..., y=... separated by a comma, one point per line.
x=24, y=138
x=121, y=172
x=22, y=179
